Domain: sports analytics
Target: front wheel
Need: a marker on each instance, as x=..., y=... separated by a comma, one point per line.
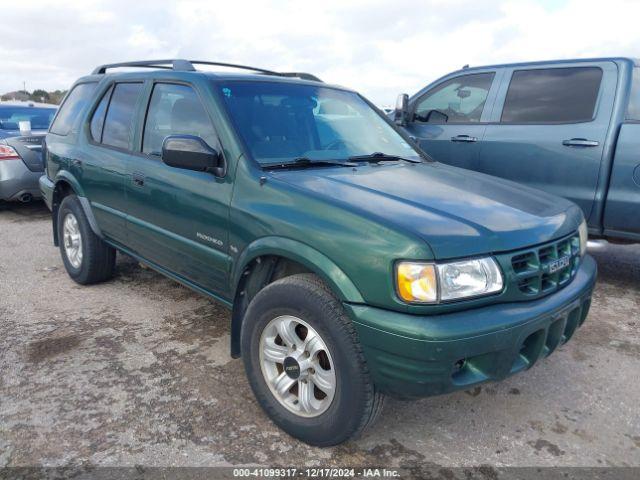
x=305, y=363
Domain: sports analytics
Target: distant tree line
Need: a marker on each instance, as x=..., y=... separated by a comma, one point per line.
x=38, y=95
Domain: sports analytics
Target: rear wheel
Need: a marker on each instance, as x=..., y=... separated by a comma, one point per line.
x=305, y=363
x=86, y=257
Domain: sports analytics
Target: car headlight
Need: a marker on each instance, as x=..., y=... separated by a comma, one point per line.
x=584, y=236
x=419, y=282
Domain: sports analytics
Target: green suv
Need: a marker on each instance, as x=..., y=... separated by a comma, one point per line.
x=354, y=266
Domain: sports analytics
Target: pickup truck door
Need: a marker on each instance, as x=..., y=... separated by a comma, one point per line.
x=177, y=218
x=621, y=217
x=448, y=118
x=549, y=127
x=622, y=208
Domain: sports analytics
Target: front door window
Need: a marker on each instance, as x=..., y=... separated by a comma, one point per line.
x=458, y=100
x=175, y=110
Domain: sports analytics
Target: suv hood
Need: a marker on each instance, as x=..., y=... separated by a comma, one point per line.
x=457, y=212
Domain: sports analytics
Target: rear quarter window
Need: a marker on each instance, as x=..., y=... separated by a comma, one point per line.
x=73, y=105
x=633, y=113
x=97, y=121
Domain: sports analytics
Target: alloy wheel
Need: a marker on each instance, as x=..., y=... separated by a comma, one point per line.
x=297, y=366
x=72, y=240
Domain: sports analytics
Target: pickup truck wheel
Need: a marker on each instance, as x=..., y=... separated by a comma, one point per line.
x=305, y=363
x=86, y=257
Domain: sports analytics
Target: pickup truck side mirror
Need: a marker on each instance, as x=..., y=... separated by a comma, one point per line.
x=402, y=109
x=436, y=116
x=191, y=153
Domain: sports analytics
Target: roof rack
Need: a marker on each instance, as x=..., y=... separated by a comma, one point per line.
x=300, y=75
x=182, y=65
x=188, y=66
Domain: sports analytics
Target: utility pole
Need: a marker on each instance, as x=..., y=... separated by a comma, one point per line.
x=24, y=86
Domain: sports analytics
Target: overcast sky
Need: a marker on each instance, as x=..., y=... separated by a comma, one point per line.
x=380, y=48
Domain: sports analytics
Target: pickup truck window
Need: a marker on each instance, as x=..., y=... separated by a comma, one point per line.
x=458, y=100
x=553, y=95
x=634, y=100
x=117, y=124
x=72, y=106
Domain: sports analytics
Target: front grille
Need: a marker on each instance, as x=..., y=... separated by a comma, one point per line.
x=545, y=269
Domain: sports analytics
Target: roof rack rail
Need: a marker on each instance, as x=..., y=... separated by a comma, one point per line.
x=233, y=65
x=173, y=64
x=188, y=66
x=300, y=75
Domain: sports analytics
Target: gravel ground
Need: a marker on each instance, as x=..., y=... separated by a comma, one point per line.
x=136, y=371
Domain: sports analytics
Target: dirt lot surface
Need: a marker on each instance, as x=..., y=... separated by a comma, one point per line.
x=136, y=371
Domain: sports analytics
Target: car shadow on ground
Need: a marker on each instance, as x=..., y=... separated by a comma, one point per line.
x=35, y=209
x=617, y=264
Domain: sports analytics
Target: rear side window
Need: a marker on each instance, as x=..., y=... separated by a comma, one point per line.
x=634, y=101
x=97, y=121
x=175, y=110
x=117, y=124
x=71, y=108
x=555, y=95
x=459, y=100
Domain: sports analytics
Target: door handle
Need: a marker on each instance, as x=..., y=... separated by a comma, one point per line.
x=464, y=138
x=580, y=142
x=138, y=179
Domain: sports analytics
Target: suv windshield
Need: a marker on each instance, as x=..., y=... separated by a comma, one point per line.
x=282, y=122
x=40, y=118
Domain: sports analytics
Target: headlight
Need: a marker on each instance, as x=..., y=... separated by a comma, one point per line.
x=417, y=282
x=469, y=278
x=430, y=283
x=584, y=236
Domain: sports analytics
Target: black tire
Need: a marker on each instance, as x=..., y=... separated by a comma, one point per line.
x=98, y=258
x=356, y=403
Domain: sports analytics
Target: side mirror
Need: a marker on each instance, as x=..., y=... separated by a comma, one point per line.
x=402, y=109
x=436, y=116
x=191, y=153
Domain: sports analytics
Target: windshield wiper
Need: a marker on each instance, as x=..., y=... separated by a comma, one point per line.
x=302, y=162
x=377, y=157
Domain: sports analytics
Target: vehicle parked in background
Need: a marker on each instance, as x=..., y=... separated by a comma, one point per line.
x=570, y=127
x=23, y=126
x=354, y=266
